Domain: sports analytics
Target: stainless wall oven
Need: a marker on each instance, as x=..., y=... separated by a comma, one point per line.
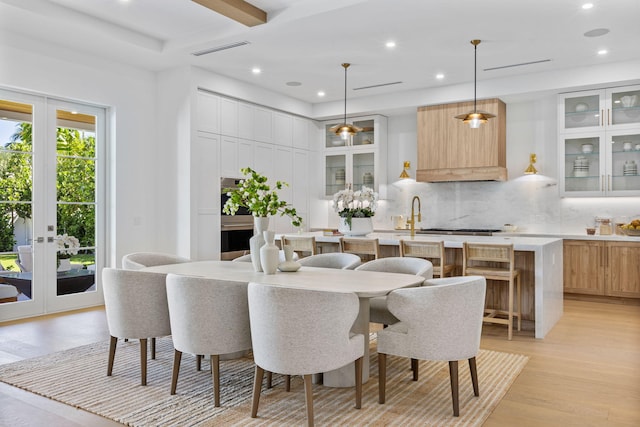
x=235, y=230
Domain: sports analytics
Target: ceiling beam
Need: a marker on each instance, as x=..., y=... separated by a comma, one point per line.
x=238, y=10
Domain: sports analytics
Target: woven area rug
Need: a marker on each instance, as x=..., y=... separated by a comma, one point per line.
x=78, y=378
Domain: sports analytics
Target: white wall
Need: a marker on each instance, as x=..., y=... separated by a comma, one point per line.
x=130, y=95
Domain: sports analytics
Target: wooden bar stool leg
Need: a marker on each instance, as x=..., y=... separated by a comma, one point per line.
x=510, y=314
x=519, y=303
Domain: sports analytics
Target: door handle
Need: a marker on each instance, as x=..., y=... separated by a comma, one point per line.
x=39, y=239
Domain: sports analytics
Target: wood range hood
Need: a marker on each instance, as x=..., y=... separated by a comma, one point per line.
x=449, y=150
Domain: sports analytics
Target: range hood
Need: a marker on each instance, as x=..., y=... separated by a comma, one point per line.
x=449, y=150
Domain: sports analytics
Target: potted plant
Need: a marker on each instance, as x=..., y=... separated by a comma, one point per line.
x=262, y=201
x=67, y=246
x=355, y=208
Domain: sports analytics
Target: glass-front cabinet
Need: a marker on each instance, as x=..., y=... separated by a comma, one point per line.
x=355, y=162
x=606, y=109
x=599, y=142
x=602, y=164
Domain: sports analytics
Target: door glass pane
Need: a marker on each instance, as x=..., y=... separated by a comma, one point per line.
x=581, y=111
x=335, y=174
x=76, y=208
x=363, y=171
x=582, y=164
x=16, y=167
x=625, y=107
x=364, y=137
x=625, y=157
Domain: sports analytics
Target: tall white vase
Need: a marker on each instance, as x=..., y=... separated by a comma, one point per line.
x=269, y=254
x=64, y=264
x=261, y=224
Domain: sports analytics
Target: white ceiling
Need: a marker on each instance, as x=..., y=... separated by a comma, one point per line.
x=306, y=40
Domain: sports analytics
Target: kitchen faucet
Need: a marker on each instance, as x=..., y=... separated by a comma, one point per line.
x=412, y=221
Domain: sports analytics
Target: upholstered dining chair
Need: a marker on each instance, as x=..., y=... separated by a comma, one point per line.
x=139, y=260
x=433, y=251
x=442, y=322
x=311, y=336
x=136, y=308
x=367, y=249
x=302, y=245
x=207, y=316
x=332, y=260
x=378, y=311
x=8, y=293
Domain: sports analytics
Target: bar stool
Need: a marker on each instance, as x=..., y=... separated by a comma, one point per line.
x=495, y=262
x=366, y=249
x=433, y=251
x=303, y=246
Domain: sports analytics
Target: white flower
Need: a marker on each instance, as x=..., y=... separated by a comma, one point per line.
x=67, y=245
x=359, y=203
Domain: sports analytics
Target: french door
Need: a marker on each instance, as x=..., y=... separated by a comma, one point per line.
x=51, y=201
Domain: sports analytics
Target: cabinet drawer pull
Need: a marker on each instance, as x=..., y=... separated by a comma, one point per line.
x=608, y=117
x=601, y=117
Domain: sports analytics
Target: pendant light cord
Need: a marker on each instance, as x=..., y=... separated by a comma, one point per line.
x=345, y=91
x=475, y=72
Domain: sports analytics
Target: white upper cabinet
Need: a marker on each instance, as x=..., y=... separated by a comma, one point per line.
x=262, y=124
x=245, y=120
x=596, y=110
x=208, y=114
x=301, y=133
x=228, y=117
x=599, y=147
x=283, y=129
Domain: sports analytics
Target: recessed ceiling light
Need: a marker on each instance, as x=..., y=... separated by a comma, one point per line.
x=603, y=52
x=390, y=44
x=293, y=84
x=587, y=6
x=321, y=93
x=597, y=32
x=439, y=76
x=256, y=70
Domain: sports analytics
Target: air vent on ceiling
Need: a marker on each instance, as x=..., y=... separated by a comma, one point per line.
x=517, y=65
x=380, y=85
x=219, y=48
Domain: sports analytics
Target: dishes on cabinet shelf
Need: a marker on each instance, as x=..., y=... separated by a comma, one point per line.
x=629, y=100
x=626, y=146
x=581, y=167
x=630, y=168
x=581, y=107
x=340, y=177
x=587, y=148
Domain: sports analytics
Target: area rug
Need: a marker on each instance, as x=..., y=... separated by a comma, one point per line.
x=77, y=377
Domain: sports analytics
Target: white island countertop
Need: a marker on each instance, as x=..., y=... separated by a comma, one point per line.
x=548, y=298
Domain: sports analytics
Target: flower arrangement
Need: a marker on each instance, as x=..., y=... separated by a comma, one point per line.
x=67, y=246
x=355, y=204
x=256, y=195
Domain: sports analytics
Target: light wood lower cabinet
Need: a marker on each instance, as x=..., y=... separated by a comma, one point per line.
x=606, y=268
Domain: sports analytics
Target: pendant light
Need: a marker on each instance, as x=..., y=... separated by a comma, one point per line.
x=475, y=118
x=345, y=130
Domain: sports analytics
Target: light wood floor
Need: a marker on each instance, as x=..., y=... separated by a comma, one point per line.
x=586, y=372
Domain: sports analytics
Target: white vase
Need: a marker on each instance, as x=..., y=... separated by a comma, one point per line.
x=288, y=265
x=269, y=254
x=64, y=264
x=261, y=224
x=359, y=226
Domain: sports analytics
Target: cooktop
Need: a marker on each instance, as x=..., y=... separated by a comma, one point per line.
x=459, y=231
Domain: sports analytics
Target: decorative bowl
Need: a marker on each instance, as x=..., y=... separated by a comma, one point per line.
x=631, y=232
x=509, y=228
x=581, y=107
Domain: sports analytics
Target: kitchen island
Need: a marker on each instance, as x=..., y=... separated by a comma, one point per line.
x=539, y=259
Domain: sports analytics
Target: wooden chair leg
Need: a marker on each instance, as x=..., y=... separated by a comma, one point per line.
x=112, y=354
x=177, y=357
x=143, y=360
x=308, y=395
x=415, y=366
x=382, y=376
x=257, y=385
x=453, y=374
x=519, y=296
x=198, y=362
x=358, y=383
x=215, y=377
x=269, y=378
x=153, y=348
x=474, y=376
x=510, y=314
x=287, y=383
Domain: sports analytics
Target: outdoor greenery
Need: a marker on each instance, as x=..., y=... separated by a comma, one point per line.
x=75, y=184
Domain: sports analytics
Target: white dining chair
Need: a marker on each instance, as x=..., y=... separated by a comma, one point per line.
x=378, y=311
x=25, y=258
x=441, y=321
x=136, y=308
x=139, y=260
x=208, y=317
x=311, y=336
x=8, y=293
x=339, y=260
